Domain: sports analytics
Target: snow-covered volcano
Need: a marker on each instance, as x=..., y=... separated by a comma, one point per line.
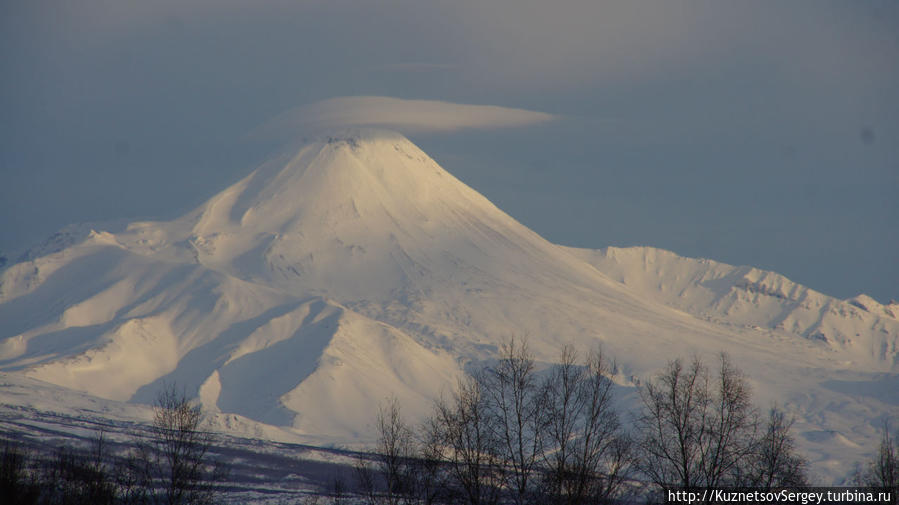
x=357, y=268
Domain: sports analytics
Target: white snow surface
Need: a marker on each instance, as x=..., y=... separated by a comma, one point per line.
x=356, y=268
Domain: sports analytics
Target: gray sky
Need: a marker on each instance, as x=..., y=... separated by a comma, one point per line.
x=754, y=132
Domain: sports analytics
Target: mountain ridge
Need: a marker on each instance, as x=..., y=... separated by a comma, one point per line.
x=742, y=295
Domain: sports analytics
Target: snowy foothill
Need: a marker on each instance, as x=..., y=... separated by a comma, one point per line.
x=356, y=268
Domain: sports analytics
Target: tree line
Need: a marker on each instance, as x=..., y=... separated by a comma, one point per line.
x=509, y=434
x=169, y=464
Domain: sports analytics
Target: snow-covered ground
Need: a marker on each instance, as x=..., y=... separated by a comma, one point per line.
x=296, y=300
x=265, y=465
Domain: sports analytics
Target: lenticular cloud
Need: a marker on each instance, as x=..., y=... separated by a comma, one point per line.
x=399, y=114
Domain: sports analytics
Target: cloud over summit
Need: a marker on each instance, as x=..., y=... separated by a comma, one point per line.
x=407, y=116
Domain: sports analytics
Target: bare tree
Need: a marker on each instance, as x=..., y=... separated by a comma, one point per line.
x=588, y=455
x=395, y=451
x=517, y=404
x=410, y=468
x=605, y=452
x=565, y=408
x=506, y=436
x=134, y=477
x=428, y=469
x=734, y=424
x=365, y=475
x=775, y=462
x=338, y=491
x=671, y=426
x=471, y=449
x=177, y=455
x=691, y=433
x=17, y=484
x=75, y=478
x=883, y=471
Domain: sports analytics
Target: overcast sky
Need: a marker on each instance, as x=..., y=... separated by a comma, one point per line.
x=754, y=132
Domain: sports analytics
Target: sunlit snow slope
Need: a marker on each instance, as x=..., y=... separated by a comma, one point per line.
x=749, y=297
x=357, y=268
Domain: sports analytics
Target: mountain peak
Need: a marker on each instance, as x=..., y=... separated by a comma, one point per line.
x=338, y=178
x=358, y=135
x=357, y=203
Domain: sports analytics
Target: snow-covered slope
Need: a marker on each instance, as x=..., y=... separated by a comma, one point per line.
x=357, y=268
